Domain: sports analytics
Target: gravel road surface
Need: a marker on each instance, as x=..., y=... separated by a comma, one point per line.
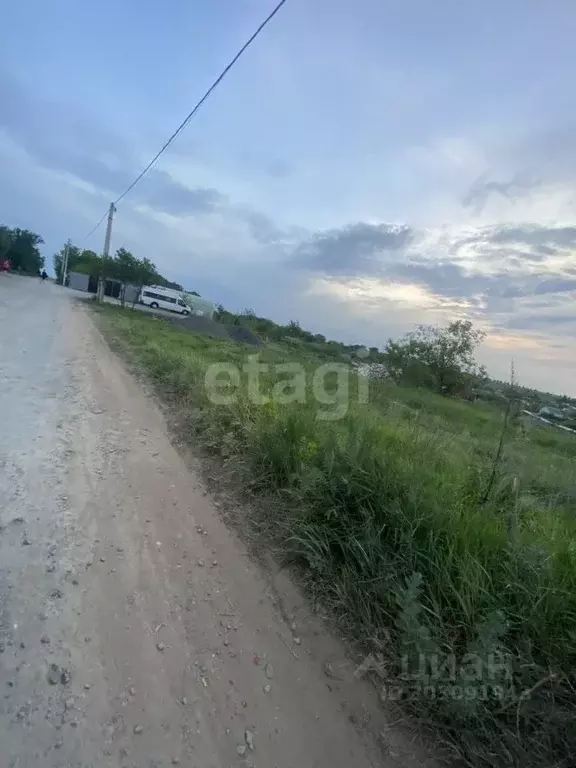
x=134, y=629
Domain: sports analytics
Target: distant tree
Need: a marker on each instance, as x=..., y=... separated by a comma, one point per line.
x=173, y=286
x=125, y=268
x=89, y=263
x=21, y=247
x=5, y=241
x=438, y=358
x=144, y=273
x=293, y=329
x=59, y=258
x=125, y=259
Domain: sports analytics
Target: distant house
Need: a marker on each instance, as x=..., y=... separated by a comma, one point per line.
x=113, y=288
x=549, y=412
x=78, y=281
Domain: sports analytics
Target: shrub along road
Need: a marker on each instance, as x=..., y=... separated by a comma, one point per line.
x=134, y=629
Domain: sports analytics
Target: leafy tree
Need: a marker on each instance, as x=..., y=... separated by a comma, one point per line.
x=293, y=329
x=89, y=263
x=25, y=253
x=438, y=358
x=125, y=261
x=125, y=268
x=144, y=273
x=21, y=247
x=74, y=253
x=169, y=284
x=5, y=241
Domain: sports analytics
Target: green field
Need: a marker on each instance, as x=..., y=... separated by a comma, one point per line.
x=426, y=549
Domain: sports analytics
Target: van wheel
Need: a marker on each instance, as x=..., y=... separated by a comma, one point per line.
x=184, y=312
x=154, y=305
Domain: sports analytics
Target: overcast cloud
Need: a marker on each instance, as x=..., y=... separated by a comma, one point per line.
x=362, y=169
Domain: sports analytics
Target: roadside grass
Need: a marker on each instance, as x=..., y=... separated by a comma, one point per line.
x=471, y=604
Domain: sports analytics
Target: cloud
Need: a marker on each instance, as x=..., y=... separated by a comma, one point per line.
x=357, y=249
x=551, y=149
x=539, y=321
x=161, y=192
x=62, y=139
x=485, y=266
x=261, y=227
x=535, y=252
x=445, y=279
x=539, y=236
x=555, y=286
x=65, y=140
x=486, y=273
x=497, y=260
x=483, y=189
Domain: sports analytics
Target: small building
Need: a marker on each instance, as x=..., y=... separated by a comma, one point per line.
x=550, y=412
x=112, y=288
x=79, y=282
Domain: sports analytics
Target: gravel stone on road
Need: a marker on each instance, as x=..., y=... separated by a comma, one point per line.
x=87, y=462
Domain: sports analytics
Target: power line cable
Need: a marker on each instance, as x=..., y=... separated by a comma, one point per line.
x=191, y=114
x=95, y=228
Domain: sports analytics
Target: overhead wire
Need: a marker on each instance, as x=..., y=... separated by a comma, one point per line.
x=191, y=114
x=95, y=227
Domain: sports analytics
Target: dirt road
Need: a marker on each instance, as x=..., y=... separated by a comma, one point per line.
x=134, y=629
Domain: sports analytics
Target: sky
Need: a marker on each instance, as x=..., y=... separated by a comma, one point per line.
x=365, y=167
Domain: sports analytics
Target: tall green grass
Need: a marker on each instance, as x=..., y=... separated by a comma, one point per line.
x=386, y=509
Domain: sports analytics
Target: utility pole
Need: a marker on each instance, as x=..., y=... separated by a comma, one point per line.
x=111, y=212
x=65, y=263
